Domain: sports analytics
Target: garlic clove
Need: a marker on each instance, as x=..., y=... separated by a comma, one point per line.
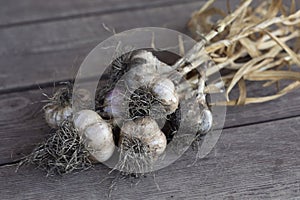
x=63, y=114
x=96, y=133
x=205, y=122
x=84, y=118
x=114, y=102
x=50, y=115
x=98, y=139
x=55, y=115
x=164, y=91
x=158, y=143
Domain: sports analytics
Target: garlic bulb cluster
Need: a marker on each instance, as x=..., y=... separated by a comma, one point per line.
x=143, y=95
x=96, y=133
x=147, y=131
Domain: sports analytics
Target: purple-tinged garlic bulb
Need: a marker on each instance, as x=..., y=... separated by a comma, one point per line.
x=113, y=103
x=96, y=134
x=147, y=132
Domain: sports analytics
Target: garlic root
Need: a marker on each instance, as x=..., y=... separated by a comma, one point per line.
x=147, y=131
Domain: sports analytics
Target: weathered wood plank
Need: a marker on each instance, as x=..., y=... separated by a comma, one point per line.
x=22, y=124
x=252, y=162
x=16, y=12
x=47, y=52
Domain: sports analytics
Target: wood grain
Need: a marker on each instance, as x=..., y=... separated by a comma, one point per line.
x=53, y=51
x=257, y=156
x=251, y=162
x=22, y=123
x=16, y=12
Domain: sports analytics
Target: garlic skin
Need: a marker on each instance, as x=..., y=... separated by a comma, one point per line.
x=205, y=121
x=113, y=103
x=164, y=90
x=55, y=114
x=97, y=134
x=60, y=108
x=148, y=132
x=147, y=71
x=144, y=69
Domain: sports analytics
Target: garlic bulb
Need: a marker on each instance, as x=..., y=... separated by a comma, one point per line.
x=113, y=103
x=146, y=73
x=55, y=114
x=164, y=91
x=59, y=108
x=205, y=121
x=147, y=131
x=96, y=133
x=144, y=68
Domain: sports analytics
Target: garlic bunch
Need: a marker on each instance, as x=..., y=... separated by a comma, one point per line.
x=96, y=133
x=147, y=132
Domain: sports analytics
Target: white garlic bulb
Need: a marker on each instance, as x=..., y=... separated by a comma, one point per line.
x=147, y=131
x=147, y=72
x=55, y=114
x=205, y=121
x=164, y=91
x=96, y=133
x=59, y=108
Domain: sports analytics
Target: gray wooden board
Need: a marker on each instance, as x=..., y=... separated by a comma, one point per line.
x=22, y=125
x=250, y=162
x=16, y=12
x=53, y=51
x=43, y=42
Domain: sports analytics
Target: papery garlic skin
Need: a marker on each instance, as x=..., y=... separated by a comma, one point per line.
x=96, y=133
x=114, y=103
x=55, y=115
x=145, y=69
x=60, y=108
x=148, y=132
x=147, y=73
x=164, y=91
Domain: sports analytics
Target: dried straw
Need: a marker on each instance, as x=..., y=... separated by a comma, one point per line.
x=252, y=44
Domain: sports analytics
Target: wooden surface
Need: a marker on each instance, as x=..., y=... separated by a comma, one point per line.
x=257, y=156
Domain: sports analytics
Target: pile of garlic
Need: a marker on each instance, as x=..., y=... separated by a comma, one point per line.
x=97, y=132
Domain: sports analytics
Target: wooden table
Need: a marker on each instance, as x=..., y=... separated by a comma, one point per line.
x=44, y=42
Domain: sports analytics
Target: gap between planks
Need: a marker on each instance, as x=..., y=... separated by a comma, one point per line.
x=115, y=7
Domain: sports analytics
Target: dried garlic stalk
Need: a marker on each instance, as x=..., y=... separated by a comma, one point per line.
x=253, y=43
